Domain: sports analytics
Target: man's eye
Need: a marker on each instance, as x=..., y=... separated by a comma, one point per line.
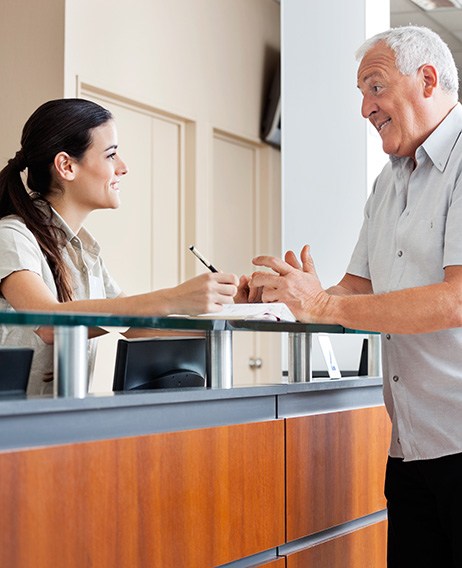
x=376, y=88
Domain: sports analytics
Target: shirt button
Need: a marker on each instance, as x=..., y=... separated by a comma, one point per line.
x=388, y=336
x=400, y=253
x=396, y=378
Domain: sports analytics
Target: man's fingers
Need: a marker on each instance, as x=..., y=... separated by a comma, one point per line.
x=255, y=294
x=270, y=295
x=307, y=261
x=291, y=259
x=260, y=279
x=276, y=264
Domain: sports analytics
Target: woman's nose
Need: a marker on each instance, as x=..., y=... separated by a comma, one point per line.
x=122, y=167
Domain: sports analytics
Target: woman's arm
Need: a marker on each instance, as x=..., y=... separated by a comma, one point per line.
x=25, y=290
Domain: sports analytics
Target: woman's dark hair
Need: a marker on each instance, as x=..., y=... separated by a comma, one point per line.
x=62, y=125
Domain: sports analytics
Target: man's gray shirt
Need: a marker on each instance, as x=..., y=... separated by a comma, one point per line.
x=412, y=230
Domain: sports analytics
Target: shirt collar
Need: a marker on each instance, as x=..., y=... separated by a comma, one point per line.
x=88, y=241
x=439, y=145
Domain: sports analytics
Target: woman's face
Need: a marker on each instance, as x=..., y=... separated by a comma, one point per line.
x=97, y=174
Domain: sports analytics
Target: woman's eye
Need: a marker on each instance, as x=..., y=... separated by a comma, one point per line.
x=112, y=156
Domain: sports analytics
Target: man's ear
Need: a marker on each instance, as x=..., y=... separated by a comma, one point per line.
x=430, y=79
x=65, y=166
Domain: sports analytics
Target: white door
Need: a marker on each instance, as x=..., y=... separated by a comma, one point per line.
x=140, y=241
x=236, y=238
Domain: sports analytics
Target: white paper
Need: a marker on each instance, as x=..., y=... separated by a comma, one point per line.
x=275, y=311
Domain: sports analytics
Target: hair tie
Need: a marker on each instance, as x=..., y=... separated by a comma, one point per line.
x=19, y=161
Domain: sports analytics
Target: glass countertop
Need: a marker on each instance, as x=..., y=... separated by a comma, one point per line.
x=172, y=322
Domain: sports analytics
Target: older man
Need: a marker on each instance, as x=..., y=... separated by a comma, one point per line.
x=405, y=280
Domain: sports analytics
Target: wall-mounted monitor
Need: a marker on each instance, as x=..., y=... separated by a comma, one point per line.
x=159, y=363
x=271, y=122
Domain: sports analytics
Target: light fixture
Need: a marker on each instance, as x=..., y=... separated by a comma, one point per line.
x=428, y=5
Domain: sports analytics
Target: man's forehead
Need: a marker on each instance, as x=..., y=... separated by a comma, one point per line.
x=378, y=61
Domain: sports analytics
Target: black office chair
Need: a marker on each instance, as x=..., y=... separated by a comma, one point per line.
x=15, y=363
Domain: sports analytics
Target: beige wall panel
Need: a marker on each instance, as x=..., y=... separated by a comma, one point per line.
x=166, y=204
x=234, y=188
x=31, y=63
x=193, y=57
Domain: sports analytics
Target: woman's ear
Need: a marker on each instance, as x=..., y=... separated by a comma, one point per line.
x=65, y=166
x=430, y=79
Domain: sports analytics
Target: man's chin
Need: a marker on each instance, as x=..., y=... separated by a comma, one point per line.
x=390, y=149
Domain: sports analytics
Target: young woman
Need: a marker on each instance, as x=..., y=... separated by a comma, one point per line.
x=48, y=261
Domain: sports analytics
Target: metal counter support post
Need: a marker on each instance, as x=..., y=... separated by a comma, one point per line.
x=71, y=361
x=374, y=356
x=299, y=357
x=219, y=359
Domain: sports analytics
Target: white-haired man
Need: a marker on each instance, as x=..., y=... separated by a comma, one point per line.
x=405, y=280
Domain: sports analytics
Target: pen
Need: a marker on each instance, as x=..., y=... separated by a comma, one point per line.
x=210, y=266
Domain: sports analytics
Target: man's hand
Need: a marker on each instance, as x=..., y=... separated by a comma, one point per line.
x=295, y=283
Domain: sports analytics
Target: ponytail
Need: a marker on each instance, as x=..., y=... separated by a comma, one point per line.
x=37, y=215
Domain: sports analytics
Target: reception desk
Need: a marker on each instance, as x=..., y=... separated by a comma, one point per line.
x=285, y=475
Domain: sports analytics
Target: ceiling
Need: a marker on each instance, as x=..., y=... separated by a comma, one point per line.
x=447, y=23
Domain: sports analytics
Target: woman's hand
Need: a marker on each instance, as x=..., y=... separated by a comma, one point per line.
x=203, y=294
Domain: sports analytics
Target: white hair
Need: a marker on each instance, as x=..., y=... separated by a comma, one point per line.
x=415, y=46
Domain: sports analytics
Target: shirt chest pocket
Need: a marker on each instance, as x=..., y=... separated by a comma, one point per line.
x=426, y=247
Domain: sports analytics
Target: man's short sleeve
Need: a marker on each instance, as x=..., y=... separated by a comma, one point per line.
x=452, y=237
x=359, y=263
x=19, y=249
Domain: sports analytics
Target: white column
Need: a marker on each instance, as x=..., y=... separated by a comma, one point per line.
x=328, y=157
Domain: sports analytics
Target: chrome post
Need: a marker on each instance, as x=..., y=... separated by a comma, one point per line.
x=300, y=357
x=374, y=356
x=219, y=359
x=71, y=361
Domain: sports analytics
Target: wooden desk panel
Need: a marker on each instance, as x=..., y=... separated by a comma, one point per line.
x=335, y=468
x=198, y=498
x=364, y=548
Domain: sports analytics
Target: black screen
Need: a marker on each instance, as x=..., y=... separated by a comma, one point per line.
x=159, y=363
x=15, y=365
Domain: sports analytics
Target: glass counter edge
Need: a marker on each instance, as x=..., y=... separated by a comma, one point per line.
x=173, y=323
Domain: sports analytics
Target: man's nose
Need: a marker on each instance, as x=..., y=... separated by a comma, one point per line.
x=368, y=107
